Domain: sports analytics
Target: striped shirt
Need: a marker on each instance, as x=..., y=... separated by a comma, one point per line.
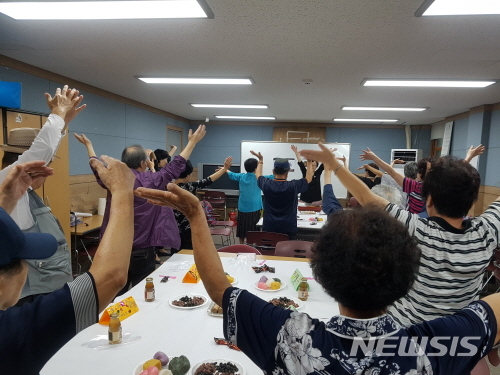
x=451, y=266
x=416, y=202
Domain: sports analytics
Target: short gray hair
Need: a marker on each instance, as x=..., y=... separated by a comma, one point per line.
x=390, y=194
x=133, y=156
x=411, y=170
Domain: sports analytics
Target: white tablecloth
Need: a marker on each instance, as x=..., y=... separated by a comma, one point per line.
x=174, y=331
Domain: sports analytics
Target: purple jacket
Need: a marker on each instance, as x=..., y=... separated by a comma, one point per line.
x=153, y=225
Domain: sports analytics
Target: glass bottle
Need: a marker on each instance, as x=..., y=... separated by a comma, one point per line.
x=303, y=289
x=115, y=329
x=149, y=290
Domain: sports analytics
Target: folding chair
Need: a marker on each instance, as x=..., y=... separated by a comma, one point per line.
x=238, y=248
x=265, y=242
x=218, y=200
x=295, y=249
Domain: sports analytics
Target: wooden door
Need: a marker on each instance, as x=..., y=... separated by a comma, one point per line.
x=23, y=120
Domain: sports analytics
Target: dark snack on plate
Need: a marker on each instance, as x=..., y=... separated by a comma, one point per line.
x=283, y=302
x=215, y=368
x=164, y=279
x=187, y=301
x=263, y=268
x=225, y=342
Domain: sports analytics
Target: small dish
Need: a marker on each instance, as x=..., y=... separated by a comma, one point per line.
x=241, y=370
x=283, y=286
x=170, y=302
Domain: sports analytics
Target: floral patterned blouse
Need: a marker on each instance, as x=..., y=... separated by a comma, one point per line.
x=280, y=341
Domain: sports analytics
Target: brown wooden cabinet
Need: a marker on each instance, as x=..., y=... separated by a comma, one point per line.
x=55, y=191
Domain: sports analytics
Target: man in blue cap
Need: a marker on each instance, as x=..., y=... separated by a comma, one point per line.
x=31, y=334
x=281, y=196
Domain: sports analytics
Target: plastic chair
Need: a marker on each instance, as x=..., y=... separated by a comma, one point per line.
x=295, y=249
x=265, y=242
x=235, y=249
x=222, y=232
x=217, y=199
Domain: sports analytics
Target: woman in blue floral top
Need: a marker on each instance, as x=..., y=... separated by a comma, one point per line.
x=366, y=260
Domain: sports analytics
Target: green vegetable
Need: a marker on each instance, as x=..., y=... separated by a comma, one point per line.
x=179, y=365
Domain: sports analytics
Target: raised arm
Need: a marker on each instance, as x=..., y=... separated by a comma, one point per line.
x=296, y=152
x=330, y=203
x=112, y=259
x=19, y=179
x=375, y=171
x=220, y=171
x=370, y=155
x=258, y=171
x=172, y=150
x=205, y=255
x=473, y=152
x=353, y=184
x=193, y=138
x=309, y=172
x=87, y=143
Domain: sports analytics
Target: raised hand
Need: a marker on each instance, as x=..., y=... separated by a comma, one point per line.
x=197, y=135
x=474, y=151
x=175, y=197
x=294, y=149
x=324, y=155
x=82, y=139
x=75, y=110
x=343, y=159
x=258, y=155
x=333, y=149
x=63, y=101
x=228, y=162
x=398, y=161
x=115, y=174
x=19, y=179
x=367, y=155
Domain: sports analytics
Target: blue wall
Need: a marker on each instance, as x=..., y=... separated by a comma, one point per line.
x=110, y=125
x=492, y=153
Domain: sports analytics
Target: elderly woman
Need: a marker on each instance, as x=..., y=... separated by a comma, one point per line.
x=366, y=260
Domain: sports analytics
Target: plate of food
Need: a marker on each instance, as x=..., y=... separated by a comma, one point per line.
x=160, y=364
x=188, y=301
x=286, y=302
x=215, y=310
x=218, y=366
x=271, y=284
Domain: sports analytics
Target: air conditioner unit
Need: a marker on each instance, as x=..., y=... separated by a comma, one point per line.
x=406, y=155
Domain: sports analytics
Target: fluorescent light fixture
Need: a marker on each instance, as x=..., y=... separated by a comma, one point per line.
x=230, y=105
x=396, y=109
x=458, y=7
x=248, y=117
x=363, y=120
x=426, y=83
x=198, y=81
x=105, y=10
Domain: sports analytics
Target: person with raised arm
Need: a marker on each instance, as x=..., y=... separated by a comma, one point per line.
x=455, y=251
x=193, y=187
x=153, y=226
x=31, y=334
x=31, y=213
x=281, y=196
x=364, y=259
x=313, y=192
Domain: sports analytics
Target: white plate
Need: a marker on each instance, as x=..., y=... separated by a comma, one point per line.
x=241, y=370
x=283, y=286
x=235, y=280
x=209, y=311
x=296, y=300
x=189, y=295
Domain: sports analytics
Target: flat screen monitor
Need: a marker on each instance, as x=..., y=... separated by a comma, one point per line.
x=223, y=183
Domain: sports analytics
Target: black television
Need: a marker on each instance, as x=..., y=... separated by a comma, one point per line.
x=223, y=183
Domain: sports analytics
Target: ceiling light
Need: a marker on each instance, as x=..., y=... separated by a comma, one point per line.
x=84, y=10
x=230, y=105
x=199, y=81
x=363, y=120
x=248, y=117
x=425, y=83
x=458, y=7
x=401, y=109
